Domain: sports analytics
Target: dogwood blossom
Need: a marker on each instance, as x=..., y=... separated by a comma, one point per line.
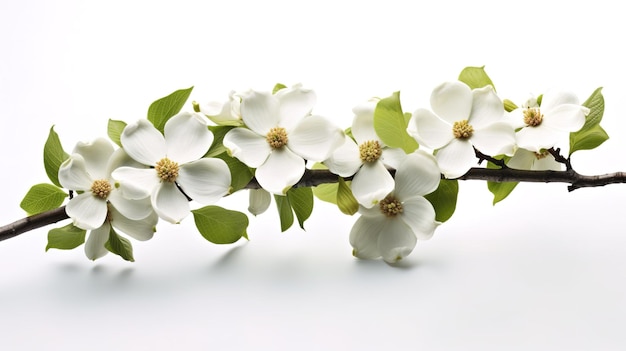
x=178, y=169
x=403, y=216
x=462, y=119
x=99, y=203
x=227, y=113
x=545, y=126
x=534, y=161
x=366, y=157
x=280, y=134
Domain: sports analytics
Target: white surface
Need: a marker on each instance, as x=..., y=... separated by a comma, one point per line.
x=544, y=270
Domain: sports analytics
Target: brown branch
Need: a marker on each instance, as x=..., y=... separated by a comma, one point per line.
x=316, y=177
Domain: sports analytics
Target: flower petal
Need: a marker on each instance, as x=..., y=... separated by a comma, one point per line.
x=142, y=229
x=345, y=161
x=169, y=203
x=295, y=104
x=73, y=174
x=553, y=98
x=392, y=157
x=282, y=170
x=206, y=180
x=135, y=183
x=94, y=246
x=315, y=138
x=452, y=101
x=363, y=122
x=537, y=138
x=418, y=175
x=364, y=236
x=419, y=215
x=143, y=142
x=567, y=118
x=260, y=201
x=487, y=107
x=133, y=209
x=495, y=139
x=187, y=137
x=96, y=155
x=429, y=130
x=87, y=211
x=397, y=241
x=456, y=158
x=522, y=159
x=259, y=111
x=120, y=158
x=371, y=184
x=248, y=146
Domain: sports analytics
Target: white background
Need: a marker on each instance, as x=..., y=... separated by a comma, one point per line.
x=544, y=270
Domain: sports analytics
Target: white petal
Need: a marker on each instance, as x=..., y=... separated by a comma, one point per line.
x=137, y=229
x=94, y=246
x=568, y=118
x=487, y=107
x=495, y=139
x=315, y=138
x=397, y=241
x=430, y=130
x=282, y=170
x=363, y=122
x=452, y=101
x=135, y=183
x=259, y=111
x=96, y=155
x=260, y=201
x=206, y=180
x=87, y=211
x=371, y=184
x=556, y=97
x=143, y=142
x=522, y=159
x=187, y=137
x=456, y=158
x=364, y=236
x=418, y=175
x=537, y=138
x=169, y=203
x=133, y=209
x=248, y=146
x=120, y=158
x=547, y=163
x=73, y=174
x=295, y=103
x=392, y=157
x=419, y=215
x=345, y=161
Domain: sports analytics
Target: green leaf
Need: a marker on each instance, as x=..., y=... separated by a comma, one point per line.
x=240, y=173
x=475, y=77
x=444, y=199
x=591, y=135
x=41, y=198
x=115, y=129
x=500, y=190
x=284, y=212
x=346, y=201
x=509, y=105
x=163, y=109
x=119, y=246
x=301, y=200
x=218, y=140
x=326, y=192
x=278, y=87
x=390, y=124
x=219, y=225
x=66, y=238
x=53, y=156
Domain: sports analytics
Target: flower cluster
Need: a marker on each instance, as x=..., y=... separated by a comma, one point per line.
x=387, y=164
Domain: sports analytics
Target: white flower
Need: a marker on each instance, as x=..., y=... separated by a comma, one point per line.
x=178, y=166
x=280, y=135
x=227, y=113
x=546, y=126
x=367, y=159
x=461, y=120
x=99, y=202
x=259, y=200
x=392, y=228
x=534, y=161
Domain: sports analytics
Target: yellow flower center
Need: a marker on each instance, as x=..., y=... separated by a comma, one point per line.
x=533, y=117
x=167, y=170
x=101, y=188
x=542, y=154
x=370, y=151
x=277, y=137
x=462, y=129
x=390, y=206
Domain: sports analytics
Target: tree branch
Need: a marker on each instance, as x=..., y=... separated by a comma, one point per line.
x=316, y=177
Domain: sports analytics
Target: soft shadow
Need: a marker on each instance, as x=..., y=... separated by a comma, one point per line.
x=229, y=256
